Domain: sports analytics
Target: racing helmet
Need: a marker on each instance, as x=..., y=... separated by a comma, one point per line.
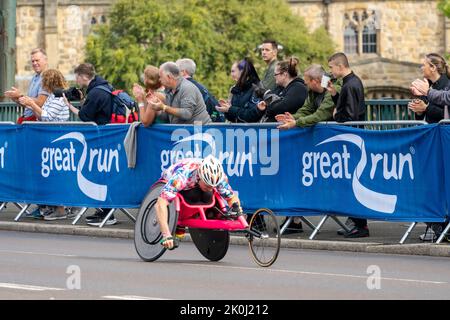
x=211, y=171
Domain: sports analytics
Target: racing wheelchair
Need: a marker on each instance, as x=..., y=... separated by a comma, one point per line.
x=209, y=226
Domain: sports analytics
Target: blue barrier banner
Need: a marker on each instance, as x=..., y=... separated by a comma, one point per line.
x=13, y=163
x=395, y=175
x=445, y=143
x=363, y=173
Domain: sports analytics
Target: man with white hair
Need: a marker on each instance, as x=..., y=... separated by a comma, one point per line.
x=185, y=104
x=187, y=68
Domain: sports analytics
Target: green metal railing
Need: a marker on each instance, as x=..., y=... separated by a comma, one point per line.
x=9, y=111
x=377, y=110
x=388, y=110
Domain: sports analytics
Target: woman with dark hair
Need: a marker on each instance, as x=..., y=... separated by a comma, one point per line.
x=292, y=91
x=242, y=105
x=436, y=71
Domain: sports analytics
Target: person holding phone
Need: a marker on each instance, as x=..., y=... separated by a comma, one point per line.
x=350, y=106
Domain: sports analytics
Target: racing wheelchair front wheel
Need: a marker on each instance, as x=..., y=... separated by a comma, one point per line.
x=147, y=234
x=264, y=237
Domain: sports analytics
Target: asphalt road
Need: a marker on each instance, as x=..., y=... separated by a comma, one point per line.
x=45, y=266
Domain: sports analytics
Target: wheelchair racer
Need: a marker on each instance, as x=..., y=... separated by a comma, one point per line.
x=197, y=177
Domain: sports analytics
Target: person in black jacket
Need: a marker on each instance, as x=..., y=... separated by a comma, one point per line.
x=242, y=105
x=97, y=106
x=436, y=73
x=292, y=91
x=350, y=106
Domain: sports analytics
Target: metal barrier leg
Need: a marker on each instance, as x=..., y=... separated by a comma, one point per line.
x=441, y=237
x=343, y=226
x=285, y=225
x=22, y=212
x=128, y=214
x=79, y=215
x=311, y=237
x=308, y=223
x=3, y=205
x=110, y=213
x=406, y=235
x=18, y=205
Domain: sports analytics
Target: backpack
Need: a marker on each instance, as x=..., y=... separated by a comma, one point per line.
x=121, y=101
x=210, y=102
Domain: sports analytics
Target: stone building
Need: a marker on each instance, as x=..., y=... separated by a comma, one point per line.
x=385, y=39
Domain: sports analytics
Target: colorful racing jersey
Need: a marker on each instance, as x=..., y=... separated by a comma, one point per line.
x=183, y=175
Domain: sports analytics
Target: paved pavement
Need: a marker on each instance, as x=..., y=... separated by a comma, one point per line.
x=384, y=236
x=50, y=266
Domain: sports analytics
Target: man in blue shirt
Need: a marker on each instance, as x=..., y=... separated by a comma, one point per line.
x=35, y=91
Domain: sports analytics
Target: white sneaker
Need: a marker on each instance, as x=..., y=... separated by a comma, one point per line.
x=56, y=215
x=428, y=236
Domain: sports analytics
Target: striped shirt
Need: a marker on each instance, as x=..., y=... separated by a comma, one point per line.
x=55, y=109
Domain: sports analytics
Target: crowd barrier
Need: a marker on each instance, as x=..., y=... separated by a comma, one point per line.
x=376, y=110
x=328, y=169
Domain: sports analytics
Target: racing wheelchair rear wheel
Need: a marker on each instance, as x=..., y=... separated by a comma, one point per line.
x=147, y=235
x=264, y=237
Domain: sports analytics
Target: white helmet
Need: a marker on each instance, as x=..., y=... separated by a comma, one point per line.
x=211, y=171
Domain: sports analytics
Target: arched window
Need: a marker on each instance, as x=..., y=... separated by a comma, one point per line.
x=350, y=40
x=361, y=29
x=369, y=39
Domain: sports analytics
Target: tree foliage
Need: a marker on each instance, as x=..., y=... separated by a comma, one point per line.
x=444, y=6
x=214, y=33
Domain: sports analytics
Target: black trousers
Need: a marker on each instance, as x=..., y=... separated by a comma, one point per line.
x=359, y=223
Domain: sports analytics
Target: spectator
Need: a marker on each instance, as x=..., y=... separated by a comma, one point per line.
x=350, y=106
x=187, y=68
x=152, y=85
x=318, y=107
x=436, y=73
x=97, y=107
x=242, y=105
x=35, y=91
x=185, y=104
x=431, y=106
x=54, y=109
x=269, y=53
x=291, y=91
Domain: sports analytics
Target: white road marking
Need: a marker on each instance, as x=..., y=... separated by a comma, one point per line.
x=27, y=287
x=39, y=253
x=132, y=298
x=312, y=273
